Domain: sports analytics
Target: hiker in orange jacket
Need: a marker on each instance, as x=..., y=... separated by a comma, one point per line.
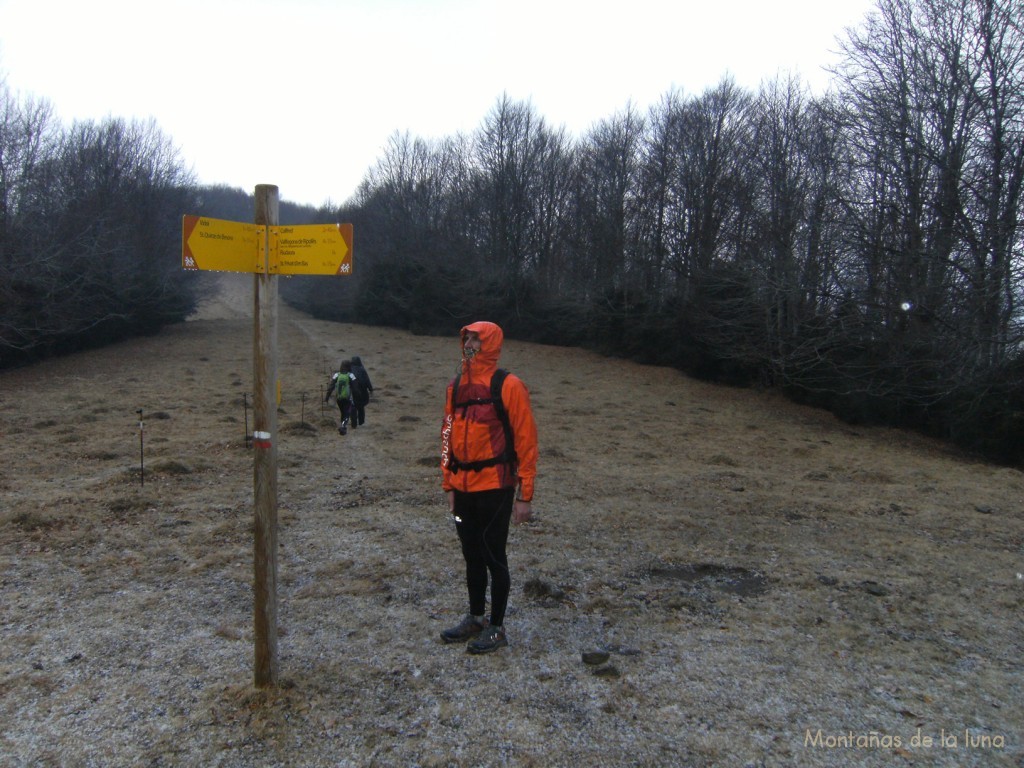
x=488, y=465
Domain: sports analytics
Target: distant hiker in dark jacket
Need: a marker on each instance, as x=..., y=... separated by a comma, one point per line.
x=360, y=392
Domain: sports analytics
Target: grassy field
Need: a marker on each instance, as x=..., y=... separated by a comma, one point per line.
x=771, y=586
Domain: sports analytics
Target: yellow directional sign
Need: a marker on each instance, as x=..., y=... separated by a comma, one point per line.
x=217, y=244
x=231, y=246
x=311, y=249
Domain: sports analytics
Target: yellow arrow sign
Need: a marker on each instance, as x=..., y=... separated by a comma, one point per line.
x=217, y=244
x=311, y=249
x=231, y=246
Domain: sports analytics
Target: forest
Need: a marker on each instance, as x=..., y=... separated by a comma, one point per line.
x=859, y=250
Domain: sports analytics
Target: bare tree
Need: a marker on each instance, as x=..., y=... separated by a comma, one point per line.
x=993, y=179
x=92, y=241
x=658, y=165
x=934, y=89
x=709, y=136
x=521, y=178
x=608, y=163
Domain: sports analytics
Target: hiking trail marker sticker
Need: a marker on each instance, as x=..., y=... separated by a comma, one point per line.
x=232, y=246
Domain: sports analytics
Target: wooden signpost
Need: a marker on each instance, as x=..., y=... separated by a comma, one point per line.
x=267, y=250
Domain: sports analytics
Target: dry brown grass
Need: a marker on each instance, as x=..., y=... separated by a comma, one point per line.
x=769, y=584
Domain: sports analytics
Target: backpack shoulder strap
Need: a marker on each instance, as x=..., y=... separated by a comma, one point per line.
x=455, y=390
x=497, y=381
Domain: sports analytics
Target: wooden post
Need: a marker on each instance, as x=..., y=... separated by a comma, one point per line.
x=267, y=667
x=142, y=450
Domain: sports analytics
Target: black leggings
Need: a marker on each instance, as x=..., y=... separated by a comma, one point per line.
x=482, y=520
x=345, y=407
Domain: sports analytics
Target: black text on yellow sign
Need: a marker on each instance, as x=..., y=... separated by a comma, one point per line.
x=231, y=246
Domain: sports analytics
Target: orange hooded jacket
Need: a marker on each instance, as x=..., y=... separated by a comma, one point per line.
x=475, y=433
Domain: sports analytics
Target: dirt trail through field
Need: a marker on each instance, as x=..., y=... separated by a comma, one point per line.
x=770, y=586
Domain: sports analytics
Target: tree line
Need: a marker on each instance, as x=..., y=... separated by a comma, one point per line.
x=90, y=217
x=859, y=249
x=90, y=230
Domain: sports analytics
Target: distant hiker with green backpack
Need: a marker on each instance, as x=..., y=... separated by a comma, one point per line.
x=341, y=389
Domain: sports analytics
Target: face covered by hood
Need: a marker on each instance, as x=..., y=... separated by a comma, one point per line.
x=486, y=360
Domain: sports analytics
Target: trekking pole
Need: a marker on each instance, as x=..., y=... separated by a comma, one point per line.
x=302, y=410
x=142, y=465
x=245, y=407
x=321, y=402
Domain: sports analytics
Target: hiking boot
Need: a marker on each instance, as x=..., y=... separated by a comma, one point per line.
x=342, y=430
x=491, y=639
x=466, y=629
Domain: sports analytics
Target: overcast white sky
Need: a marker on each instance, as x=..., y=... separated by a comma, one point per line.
x=305, y=93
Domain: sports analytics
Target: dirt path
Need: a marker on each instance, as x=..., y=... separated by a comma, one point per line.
x=772, y=587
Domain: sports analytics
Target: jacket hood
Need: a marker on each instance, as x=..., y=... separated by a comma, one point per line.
x=356, y=360
x=491, y=338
